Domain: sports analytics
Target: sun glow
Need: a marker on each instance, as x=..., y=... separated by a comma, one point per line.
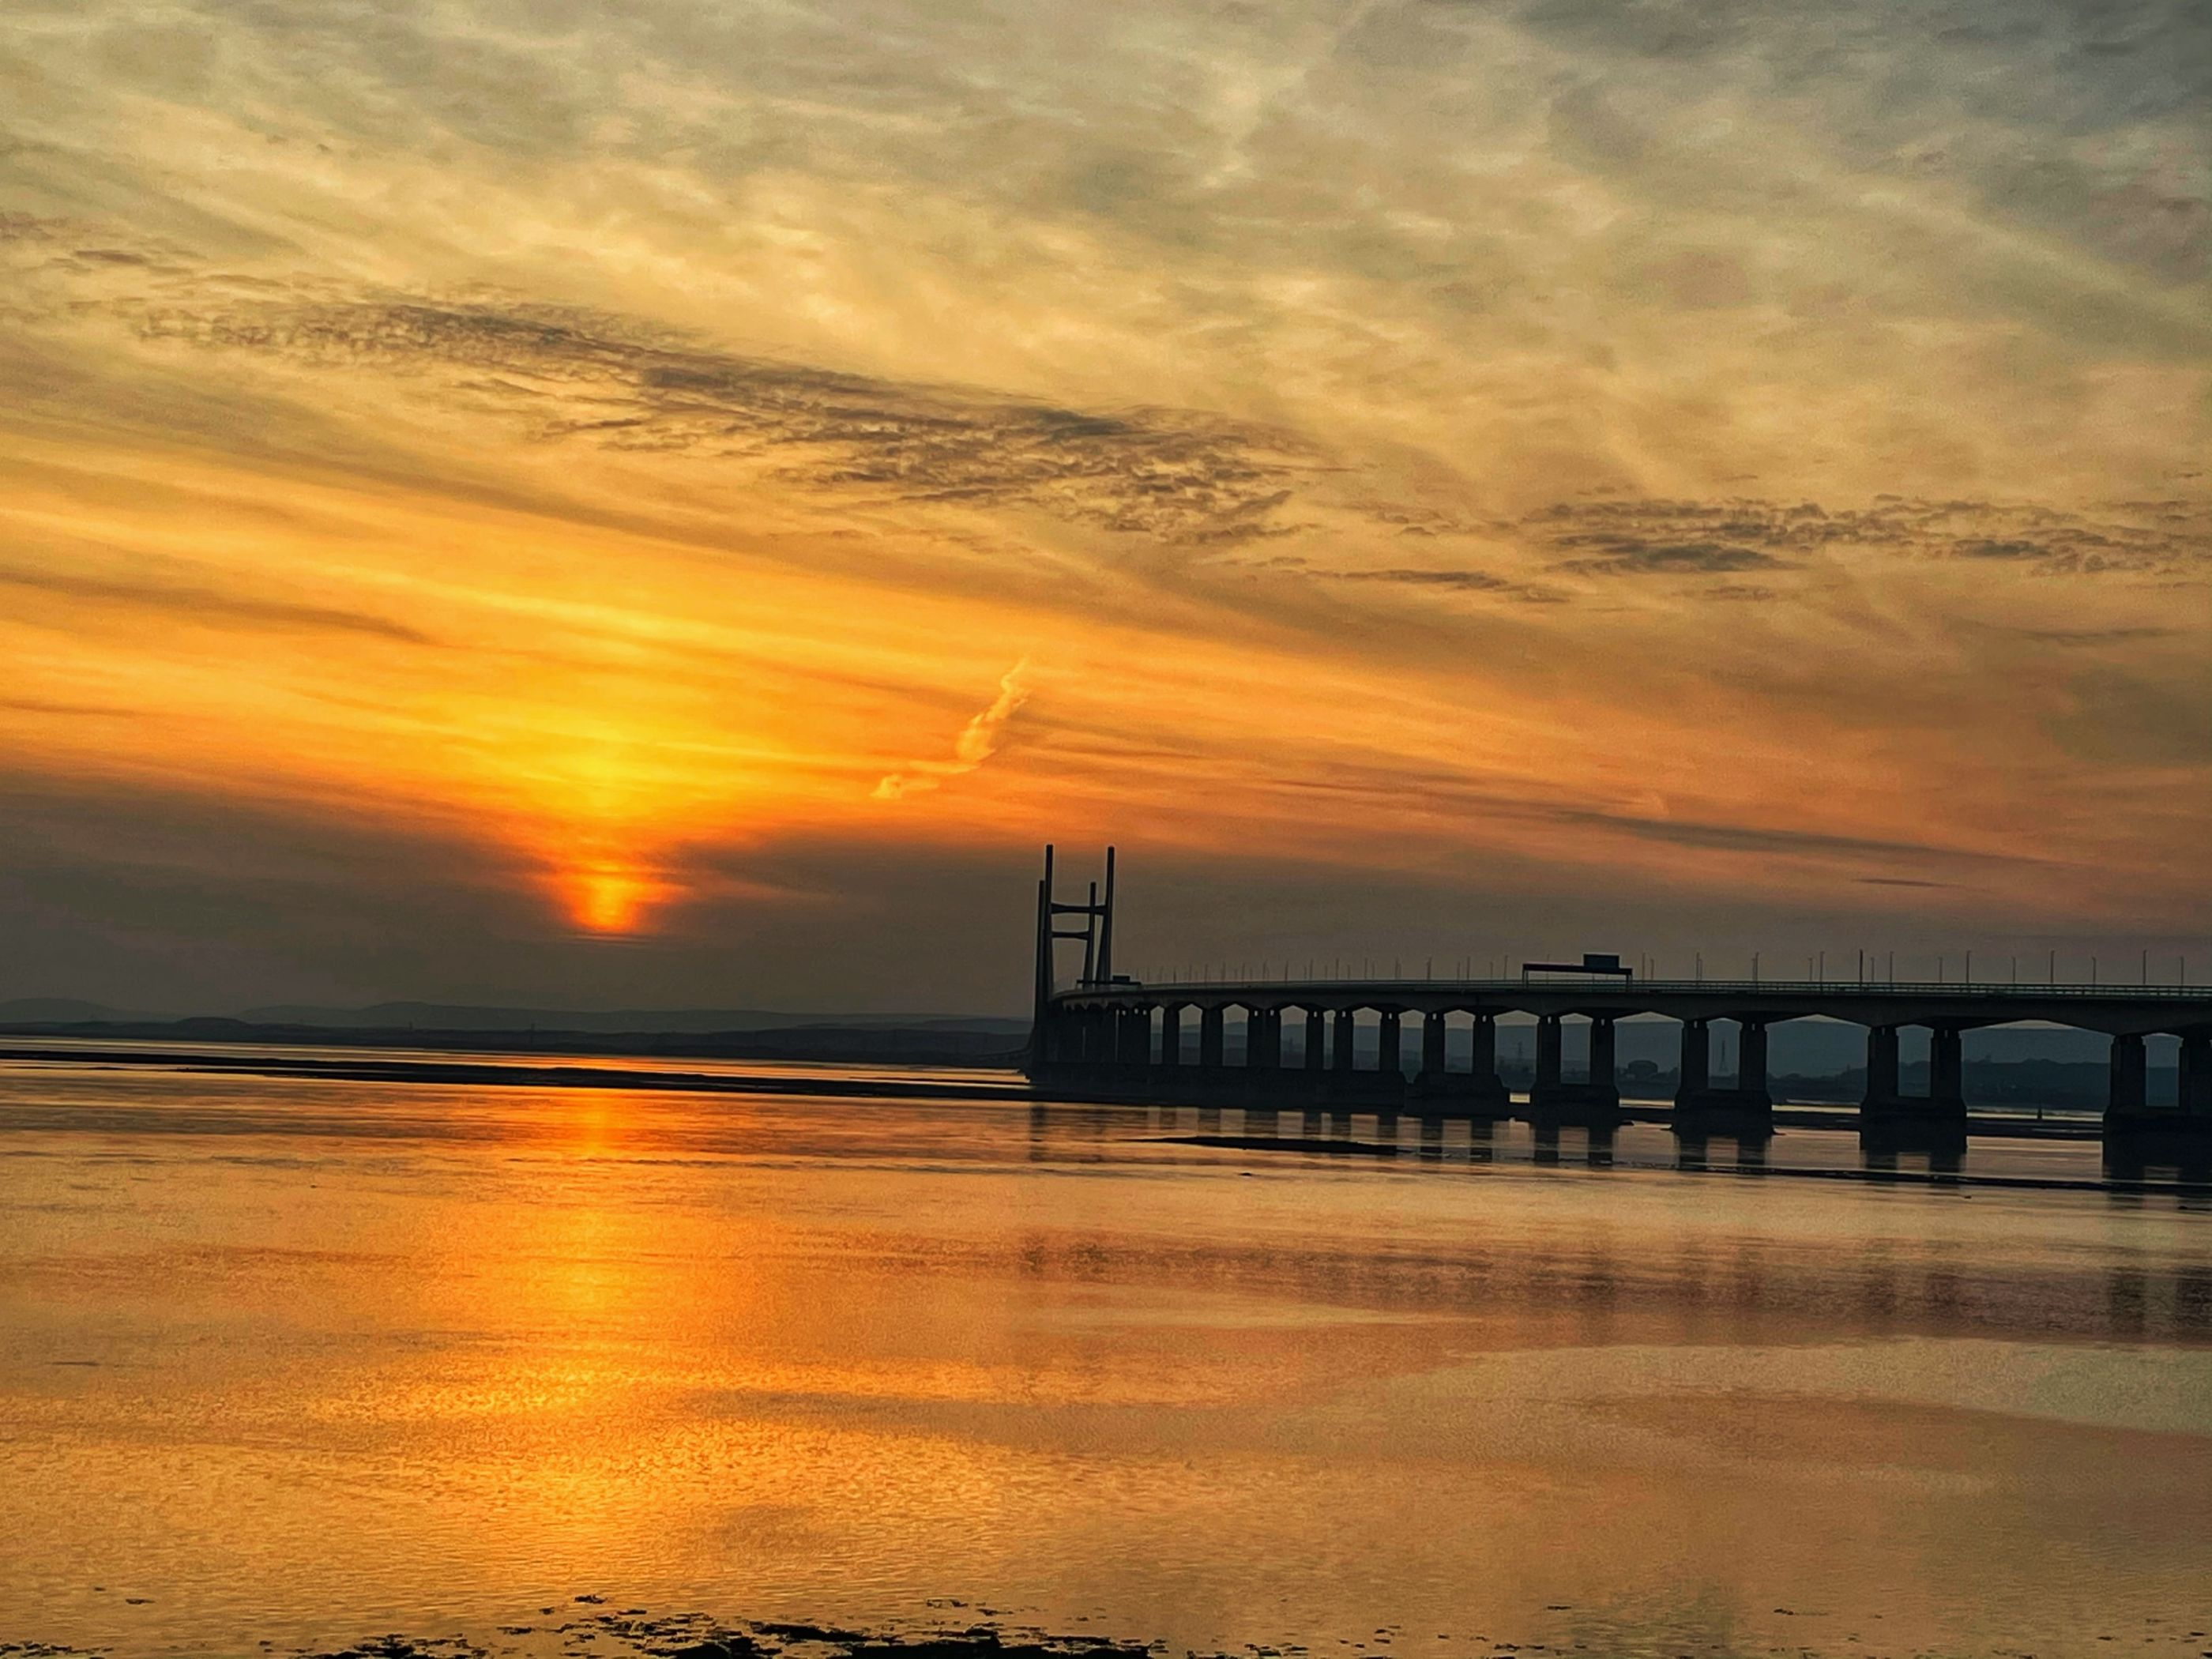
x=610, y=897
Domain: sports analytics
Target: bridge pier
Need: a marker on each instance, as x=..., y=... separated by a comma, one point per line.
x=1489, y=1089
x=1441, y=1092
x=1946, y=1071
x=1387, y=1057
x=1485, y=1043
x=1555, y=1100
x=2140, y=1139
x=1547, y=1088
x=1170, y=1035
x=2152, y=1136
x=1696, y=1094
x=1133, y=1037
x=1694, y=1073
x=1348, y=1084
x=1316, y=1039
x=1263, y=1040
x=1881, y=1099
x=1432, y=1050
x=1604, y=1086
x=1751, y=1064
x=2128, y=1098
x=1942, y=1107
x=1209, y=1039
x=2195, y=1099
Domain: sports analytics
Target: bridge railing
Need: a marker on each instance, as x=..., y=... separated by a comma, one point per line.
x=1996, y=991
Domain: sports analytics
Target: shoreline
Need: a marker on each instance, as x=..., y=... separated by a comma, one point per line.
x=836, y=1083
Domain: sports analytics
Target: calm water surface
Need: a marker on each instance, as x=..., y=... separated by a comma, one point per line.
x=298, y=1362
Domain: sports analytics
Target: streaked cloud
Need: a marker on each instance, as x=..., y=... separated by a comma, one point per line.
x=182, y=602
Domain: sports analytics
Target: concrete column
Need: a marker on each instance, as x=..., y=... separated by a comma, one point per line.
x=1751, y=1076
x=1547, y=1054
x=1946, y=1071
x=1209, y=1037
x=1342, y=1048
x=2195, y=1098
x=1881, y=1066
x=2127, y=1095
x=1601, y=1055
x=1317, y=1036
x=1432, y=1045
x=1133, y=1035
x=1263, y=1039
x=1171, y=1035
x=1387, y=1056
x=1485, y=1048
x=1695, y=1074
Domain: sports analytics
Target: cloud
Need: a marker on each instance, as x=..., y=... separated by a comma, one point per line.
x=1477, y=581
x=2096, y=636
x=1761, y=838
x=977, y=742
x=72, y=710
x=1174, y=476
x=1658, y=536
x=1625, y=556
x=209, y=606
x=564, y=373
x=1444, y=579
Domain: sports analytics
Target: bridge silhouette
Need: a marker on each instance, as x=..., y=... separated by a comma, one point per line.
x=1111, y=1037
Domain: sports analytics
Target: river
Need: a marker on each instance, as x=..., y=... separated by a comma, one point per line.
x=287, y=1362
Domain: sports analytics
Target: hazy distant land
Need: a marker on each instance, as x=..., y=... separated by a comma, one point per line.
x=1812, y=1061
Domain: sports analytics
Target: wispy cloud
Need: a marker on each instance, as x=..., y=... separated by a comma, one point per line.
x=2090, y=636
x=1633, y=538
x=977, y=742
x=1177, y=476
x=209, y=606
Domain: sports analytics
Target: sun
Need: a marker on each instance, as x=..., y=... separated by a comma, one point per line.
x=611, y=899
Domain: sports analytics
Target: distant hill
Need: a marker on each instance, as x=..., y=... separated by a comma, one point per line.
x=941, y=1043
x=65, y=1011
x=458, y=1016
x=695, y=1033
x=1808, y=1047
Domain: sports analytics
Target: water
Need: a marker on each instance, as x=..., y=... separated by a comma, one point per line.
x=299, y=1361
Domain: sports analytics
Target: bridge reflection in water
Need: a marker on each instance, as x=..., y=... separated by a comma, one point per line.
x=1389, y=1045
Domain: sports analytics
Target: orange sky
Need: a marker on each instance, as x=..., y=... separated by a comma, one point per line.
x=657, y=475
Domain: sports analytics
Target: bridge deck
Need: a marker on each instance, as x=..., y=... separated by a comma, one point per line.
x=2116, y=1010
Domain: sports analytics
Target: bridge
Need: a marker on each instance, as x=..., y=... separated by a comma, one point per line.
x=1109, y=1036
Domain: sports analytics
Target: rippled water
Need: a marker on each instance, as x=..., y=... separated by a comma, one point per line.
x=299, y=1361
